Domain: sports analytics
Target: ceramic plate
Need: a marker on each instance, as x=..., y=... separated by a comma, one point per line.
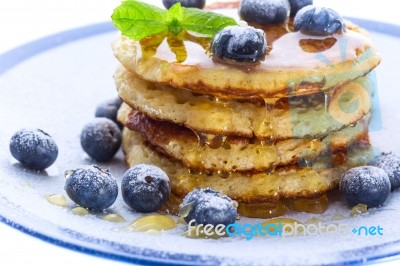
x=55, y=84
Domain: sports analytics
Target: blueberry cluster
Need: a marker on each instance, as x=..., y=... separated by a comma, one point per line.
x=101, y=137
x=145, y=188
x=244, y=44
x=371, y=185
x=93, y=187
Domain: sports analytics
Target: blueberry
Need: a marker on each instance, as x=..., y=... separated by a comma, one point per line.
x=390, y=163
x=186, y=3
x=367, y=185
x=264, y=12
x=318, y=21
x=109, y=109
x=296, y=5
x=101, y=139
x=145, y=188
x=33, y=148
x=91, y=187
x=239, y=44
x=208, y=206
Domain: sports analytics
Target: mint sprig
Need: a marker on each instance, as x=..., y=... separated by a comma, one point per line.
x=207, y=23
x=138, y=20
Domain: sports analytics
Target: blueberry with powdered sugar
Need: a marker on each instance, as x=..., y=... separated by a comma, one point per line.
x=390, y=163
x=33, y=148
x=208, y=206
x=101, y=139
x=264, y=12
x=145, y=188
x=109, y=109
x=318, y=21
x=296, y=5
x=91, y=187
x=186, y=3
x=367, y=185
x=241, y=44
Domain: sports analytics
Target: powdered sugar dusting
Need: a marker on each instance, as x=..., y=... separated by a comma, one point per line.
x=209, y=207
x=145, y=187
x=211, y=200
x=102, y=128
x=242, y=35
x=144, y=170
x=30, y=139
x=366, y=178
x=92, y=176
x=219, y=203
x=390, y=163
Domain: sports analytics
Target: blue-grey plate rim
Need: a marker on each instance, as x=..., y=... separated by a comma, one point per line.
x=15, y=56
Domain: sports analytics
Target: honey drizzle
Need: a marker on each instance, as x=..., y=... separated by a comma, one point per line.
x=359, y=209
x=315, y=205
x=58, y=200
x=80, y=211
x=262, y=210
x=114, y=218
x=187, y=49
x=152, y=223
x=211, y=140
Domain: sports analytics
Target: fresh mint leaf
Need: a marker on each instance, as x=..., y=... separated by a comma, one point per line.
x=174, y=26
x=175, y=12
x=174, y=18
x=208, y=23
x=138, y=20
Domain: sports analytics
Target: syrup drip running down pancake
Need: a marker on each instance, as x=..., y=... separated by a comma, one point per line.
x=234, y=154
x=286, y=183
x=293, y=117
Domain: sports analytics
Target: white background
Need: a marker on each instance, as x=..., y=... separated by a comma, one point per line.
x=23, y=21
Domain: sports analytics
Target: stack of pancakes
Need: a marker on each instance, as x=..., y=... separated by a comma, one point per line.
x=271, y=136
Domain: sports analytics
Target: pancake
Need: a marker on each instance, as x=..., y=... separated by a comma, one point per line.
x=233, y=153
x=207, y=115
x=295, y=65
x=285, y=183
